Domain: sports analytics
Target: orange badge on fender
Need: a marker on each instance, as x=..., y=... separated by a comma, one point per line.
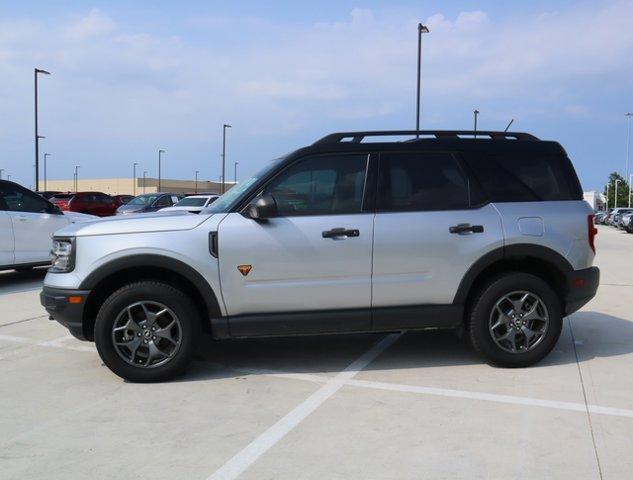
x=244, y=269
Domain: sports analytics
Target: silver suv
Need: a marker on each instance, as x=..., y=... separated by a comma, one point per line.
x=487, y=232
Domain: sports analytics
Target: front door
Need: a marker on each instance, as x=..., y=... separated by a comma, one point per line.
x=297, y=262
x=6, y=238
x=429, y=229
x=33, y=223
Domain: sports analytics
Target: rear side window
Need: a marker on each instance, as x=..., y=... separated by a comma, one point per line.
x=525, y=178
x=421, y=182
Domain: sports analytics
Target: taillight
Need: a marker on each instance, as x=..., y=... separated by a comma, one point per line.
x=592, y=231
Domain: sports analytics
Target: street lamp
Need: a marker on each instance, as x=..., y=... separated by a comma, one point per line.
x=196, y=190
x=159, y=159
x=224, y=127
x=476, y=114
x=608, y=188
x=76, y=178
x=235, y=171
x=628, y=115
x=144, y=176
x=37, y=137
x=46, y=155
x=630, y=186
x=616, y=192
x=134, y=178
x=421, y=29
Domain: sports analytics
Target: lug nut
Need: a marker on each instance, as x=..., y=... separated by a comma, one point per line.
x=154, y=338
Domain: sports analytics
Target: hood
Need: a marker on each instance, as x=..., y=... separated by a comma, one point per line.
x=134, y=224
x=125, y=208
x=79, y=217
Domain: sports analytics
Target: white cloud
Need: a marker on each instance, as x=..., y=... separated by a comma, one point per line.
x=93, y=24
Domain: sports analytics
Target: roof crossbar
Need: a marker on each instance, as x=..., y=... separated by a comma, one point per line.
x=358, y=137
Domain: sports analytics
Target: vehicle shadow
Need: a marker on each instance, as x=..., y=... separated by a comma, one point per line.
x=12, y=281
x=596, y=335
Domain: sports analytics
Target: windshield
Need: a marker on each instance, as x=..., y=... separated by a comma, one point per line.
x=229, y=199
x=192, y=202
x=143, y=200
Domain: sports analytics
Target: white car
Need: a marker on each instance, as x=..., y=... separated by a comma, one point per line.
x=27, y=224
x=192, y=203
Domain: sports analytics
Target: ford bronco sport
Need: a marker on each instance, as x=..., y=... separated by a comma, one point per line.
x=484, y=231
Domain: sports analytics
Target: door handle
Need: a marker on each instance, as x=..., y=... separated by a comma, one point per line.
x=22, y=219
x=340, y=232
x=466, y=228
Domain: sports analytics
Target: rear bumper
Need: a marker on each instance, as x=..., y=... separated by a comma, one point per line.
x=582, y=286
x=66, y=310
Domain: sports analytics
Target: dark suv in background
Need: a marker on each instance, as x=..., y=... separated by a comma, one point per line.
x=149, y=202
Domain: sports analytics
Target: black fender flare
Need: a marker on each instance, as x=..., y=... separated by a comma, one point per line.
x=156, y=261
x=511, y=252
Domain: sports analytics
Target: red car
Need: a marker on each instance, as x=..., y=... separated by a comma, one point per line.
x=93, y=203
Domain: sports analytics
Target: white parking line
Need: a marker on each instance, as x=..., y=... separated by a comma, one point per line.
x=247, y=456
x=443, y=392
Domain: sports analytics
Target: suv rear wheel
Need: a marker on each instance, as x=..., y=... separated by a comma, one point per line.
x=146, y=331
x=515, y=320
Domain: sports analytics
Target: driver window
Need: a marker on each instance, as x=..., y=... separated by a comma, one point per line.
x=163, y=202
x=323, y=185
x=22, y=200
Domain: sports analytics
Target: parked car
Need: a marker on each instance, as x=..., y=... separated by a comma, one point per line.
x=193, y=203
x=47, y=194
x=627, y=222
x=149, y=202
x=600, y=217
x=122, y=199
x=343, y=236
x=27, y=223
x=92, y=203
x=617, y=217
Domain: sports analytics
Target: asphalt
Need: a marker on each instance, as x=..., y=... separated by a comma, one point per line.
x=397, y=406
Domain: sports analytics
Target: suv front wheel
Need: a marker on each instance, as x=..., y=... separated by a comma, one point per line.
x=146, y=331
x=515, y=320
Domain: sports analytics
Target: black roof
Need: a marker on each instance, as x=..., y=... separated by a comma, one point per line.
x=419, y=135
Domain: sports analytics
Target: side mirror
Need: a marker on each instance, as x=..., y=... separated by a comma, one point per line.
x=262, y=208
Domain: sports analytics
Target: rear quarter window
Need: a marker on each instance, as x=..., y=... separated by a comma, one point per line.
x=525, y=177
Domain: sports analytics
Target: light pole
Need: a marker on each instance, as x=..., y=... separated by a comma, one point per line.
x=224, y=127
x=76, y=178
x=144, y=176
x=235, y=171
x=476, y=114
x=616, y=193
x=37, y=137
x=608, y=188
x=46, y=155
x=159, y=159
x=630, y=187
x=418, y=107
x=196, y=189
x=134, y=164
x=628, y=115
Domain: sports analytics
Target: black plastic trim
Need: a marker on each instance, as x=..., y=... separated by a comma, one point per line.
x=24, y=265
x=160, y=261
x=70, y=315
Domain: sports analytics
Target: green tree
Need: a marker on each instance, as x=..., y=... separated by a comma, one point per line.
x=623, y=191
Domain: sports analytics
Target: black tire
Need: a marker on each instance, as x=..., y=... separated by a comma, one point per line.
x=147, y=291
x=481, y=310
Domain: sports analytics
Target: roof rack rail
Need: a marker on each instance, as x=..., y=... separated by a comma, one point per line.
x=358, y=137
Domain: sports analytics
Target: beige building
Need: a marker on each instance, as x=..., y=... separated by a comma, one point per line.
x=125, y=186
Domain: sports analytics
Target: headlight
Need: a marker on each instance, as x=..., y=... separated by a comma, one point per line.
x=62, y=255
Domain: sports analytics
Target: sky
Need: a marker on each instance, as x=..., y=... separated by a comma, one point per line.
x=130, y=78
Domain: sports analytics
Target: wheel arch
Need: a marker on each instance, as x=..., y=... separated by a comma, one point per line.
x=106, y=279
x=538, y=260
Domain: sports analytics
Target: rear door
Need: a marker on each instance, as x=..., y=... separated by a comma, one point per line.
x=428, y=229
x=33, y=223
x=296, y=262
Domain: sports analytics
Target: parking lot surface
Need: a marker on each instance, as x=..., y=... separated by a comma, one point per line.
x=396, y=406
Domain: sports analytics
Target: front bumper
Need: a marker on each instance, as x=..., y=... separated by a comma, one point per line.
x=67, y=307
x=582, y=286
